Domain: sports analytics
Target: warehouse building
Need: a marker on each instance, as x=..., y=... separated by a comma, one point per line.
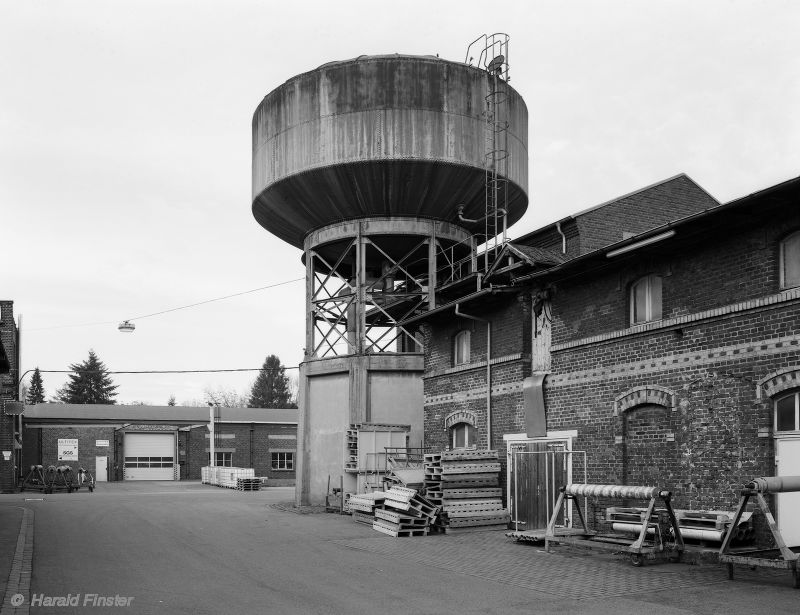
x=652, y=340
x=118, y=442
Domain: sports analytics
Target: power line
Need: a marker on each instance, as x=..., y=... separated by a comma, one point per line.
x=183, y=307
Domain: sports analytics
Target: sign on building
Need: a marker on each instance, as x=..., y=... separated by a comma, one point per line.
x=101, y=442
x=68, y=449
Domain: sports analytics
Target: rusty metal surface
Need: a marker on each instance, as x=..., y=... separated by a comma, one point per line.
x=379, y=136
x=613, y=491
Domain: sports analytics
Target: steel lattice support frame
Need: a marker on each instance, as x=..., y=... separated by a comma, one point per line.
x=365, y=276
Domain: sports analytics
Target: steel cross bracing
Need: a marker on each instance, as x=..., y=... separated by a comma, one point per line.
x=361, y=314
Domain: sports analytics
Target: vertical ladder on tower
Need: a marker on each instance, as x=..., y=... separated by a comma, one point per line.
x=492, y=56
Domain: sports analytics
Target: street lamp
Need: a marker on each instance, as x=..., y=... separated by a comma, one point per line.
x=126, y=326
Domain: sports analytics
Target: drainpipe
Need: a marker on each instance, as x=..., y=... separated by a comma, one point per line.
x=563, y=238
x=488, y=371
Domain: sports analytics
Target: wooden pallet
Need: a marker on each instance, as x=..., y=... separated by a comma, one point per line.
x=450, y=468
x=395, y=530
x=406, y=522
x=362, y=517
x=477, y=493
x=478, y=518
x=468, y=455
x=452, y=506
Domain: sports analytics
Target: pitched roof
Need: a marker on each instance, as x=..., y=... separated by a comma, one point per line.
x=83, y=413
x=634, y=213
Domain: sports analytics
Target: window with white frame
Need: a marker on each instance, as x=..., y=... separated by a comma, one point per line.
x=282, y=461
x=224, y=460
x=463, y=435
x=787, y=412
x=461, y=348
x=790, y=261
x=646, y=299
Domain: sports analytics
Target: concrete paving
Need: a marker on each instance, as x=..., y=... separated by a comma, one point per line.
x=191, y=548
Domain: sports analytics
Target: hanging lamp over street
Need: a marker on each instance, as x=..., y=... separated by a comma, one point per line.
x=126, y=326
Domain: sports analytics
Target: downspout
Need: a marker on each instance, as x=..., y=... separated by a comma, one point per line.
x=563, y=238
x=488, y=371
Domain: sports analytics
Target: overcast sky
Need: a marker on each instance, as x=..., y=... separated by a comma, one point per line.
x=125, y=145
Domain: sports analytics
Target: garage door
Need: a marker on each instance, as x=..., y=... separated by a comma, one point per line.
x=149, y=456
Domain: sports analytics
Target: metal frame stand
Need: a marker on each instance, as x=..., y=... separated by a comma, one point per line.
x=783, y=557
x=641, y=547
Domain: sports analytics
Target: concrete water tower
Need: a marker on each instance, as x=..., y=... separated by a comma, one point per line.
x=386, y=172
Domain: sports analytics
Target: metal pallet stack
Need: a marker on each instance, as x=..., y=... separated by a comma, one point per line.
x=362, y=506
x=466, y=484
x=405, y=513
x=248, y=484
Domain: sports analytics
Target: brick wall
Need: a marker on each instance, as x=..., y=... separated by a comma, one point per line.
x=8, y=392
x=40, y=446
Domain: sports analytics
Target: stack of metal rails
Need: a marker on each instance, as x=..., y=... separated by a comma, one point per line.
x=466, y=484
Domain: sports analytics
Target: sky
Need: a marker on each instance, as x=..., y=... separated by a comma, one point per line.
x=125, y=150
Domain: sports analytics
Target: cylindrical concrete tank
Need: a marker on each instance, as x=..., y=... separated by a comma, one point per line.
x=381, y=136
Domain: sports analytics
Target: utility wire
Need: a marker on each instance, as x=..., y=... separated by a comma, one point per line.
x=183, y=307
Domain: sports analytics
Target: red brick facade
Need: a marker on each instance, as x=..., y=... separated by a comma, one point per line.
x=682, y=402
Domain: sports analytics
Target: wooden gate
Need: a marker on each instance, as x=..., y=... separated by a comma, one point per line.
x=537, y=470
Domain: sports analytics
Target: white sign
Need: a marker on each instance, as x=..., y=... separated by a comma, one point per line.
x=68, y=449
x=6, y=455
x=101, y=442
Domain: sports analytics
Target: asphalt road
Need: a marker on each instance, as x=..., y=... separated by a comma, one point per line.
x=192, y=548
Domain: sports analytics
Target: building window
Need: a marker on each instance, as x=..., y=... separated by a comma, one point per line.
x=461, y=348
x=224, y=460
x=787, y=412
x=149, y=462
x=283, y=461
x=646, y=299
x=462, y=435
x=790, y=261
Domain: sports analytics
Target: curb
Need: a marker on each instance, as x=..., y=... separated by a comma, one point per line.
x=19, y=579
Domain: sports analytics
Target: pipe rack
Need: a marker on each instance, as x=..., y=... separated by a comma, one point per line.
x=647, y=543
x=783, y=557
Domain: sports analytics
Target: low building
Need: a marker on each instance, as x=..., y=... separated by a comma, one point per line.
x=654, y=340
x=119, y=442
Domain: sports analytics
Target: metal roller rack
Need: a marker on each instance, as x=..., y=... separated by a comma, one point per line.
x=651, y=538
x=783, y=557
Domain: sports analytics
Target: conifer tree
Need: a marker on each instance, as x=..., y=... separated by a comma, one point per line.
x=271, y=389
x=35, y=393
x=89, y=384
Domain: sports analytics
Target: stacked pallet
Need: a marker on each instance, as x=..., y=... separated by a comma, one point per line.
x=466, y=484
x=248, y=484
x=405, y=513
x=362, y=506
x=351, y=464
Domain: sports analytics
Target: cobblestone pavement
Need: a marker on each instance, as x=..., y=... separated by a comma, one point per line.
x=568, y=573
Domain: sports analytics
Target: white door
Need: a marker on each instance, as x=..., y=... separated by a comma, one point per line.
x=149, y=456
x=101, y=469
x=787, y=451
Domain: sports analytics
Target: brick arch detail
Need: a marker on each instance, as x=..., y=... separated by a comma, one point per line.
x=459, y=416
x=779, y=381
x=648, y=394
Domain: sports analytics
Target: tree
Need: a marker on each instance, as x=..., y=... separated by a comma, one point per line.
x=226, y=398
x=89, y=384
x=171, y=400
x=272, y=388
x=35, y=394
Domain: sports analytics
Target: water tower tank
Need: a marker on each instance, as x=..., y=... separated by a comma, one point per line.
x=385, y=135
x=380, y=169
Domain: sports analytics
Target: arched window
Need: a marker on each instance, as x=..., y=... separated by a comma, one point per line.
x=462, y=435
x=646, y=299
x=787, y=412
x=790, y=261
x=461, y=348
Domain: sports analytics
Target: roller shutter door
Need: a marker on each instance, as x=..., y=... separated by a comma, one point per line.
x=149, y=456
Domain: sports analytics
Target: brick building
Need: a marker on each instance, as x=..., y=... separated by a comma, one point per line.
x=656, y=336
x=9, y=411
x=118, y=442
